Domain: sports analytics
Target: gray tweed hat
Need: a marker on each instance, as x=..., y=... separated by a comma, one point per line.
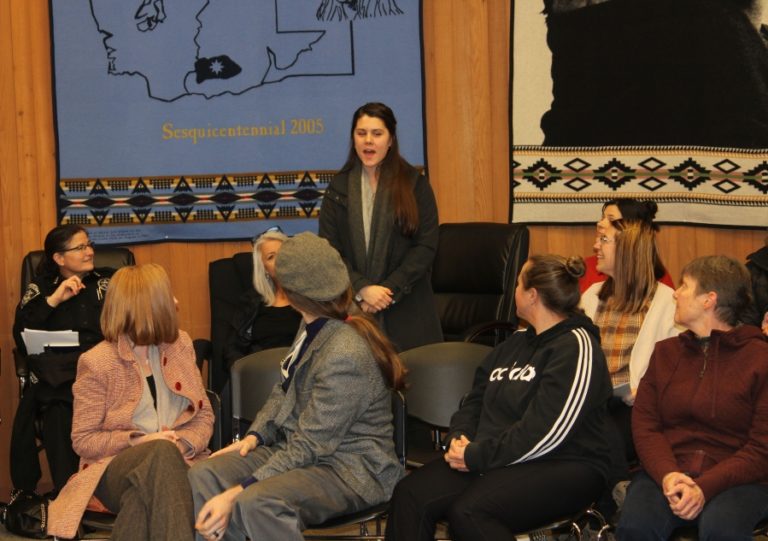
x=308, y=265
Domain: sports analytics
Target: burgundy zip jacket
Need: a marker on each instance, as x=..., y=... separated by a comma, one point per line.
x=706, y=413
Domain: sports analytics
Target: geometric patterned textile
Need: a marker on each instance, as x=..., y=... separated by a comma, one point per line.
x=192, y=199
x=690, y=185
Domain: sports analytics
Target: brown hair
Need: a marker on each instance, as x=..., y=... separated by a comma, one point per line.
x=729, y=279
x=386, y=357
x=633, y=283
x=556, y=280
x=55, y=242
x=395, y=172
x=140, y=305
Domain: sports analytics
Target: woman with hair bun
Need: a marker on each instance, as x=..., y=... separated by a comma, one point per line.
x=629, y=210
x=528, y=445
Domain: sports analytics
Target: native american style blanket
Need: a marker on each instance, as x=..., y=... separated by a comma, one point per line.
x=610, y=99
x=203, y=120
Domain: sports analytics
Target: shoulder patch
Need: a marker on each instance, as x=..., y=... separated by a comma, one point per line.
x=101, y=288
x=31, y=292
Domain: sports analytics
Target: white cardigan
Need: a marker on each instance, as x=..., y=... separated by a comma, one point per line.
x=658, y=324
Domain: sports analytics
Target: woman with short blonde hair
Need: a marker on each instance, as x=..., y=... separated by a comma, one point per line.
x=142, y=307
x=141, y=415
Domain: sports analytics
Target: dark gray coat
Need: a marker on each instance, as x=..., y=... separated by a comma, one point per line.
x=400, y=263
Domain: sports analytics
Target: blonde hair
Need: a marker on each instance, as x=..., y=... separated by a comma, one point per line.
x=140, y=305
x=344, y=309
x=633, y=283
x=262, y=282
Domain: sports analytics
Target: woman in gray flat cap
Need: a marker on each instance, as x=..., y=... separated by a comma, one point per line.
x=322, y=444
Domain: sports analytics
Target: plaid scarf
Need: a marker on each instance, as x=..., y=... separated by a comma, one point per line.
x=618, y=334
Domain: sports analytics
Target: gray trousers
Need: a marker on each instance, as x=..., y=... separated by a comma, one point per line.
x=274, y=509
x=147, y=487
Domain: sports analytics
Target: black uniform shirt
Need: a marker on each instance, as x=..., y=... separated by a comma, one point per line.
x=81, y=313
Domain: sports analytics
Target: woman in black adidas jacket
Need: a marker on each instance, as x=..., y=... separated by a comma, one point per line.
x=528, y=444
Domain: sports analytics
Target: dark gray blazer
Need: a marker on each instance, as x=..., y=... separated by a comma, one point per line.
x=337, y=411
x=400, y=263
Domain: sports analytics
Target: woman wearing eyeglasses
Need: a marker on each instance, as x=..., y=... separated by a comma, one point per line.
x=67, y=294
x=380, y=213
x=633, y=311
x=629, y=210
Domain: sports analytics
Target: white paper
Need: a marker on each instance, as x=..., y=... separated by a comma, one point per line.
x=36, y=340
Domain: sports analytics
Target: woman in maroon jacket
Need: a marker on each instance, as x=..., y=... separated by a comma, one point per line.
x=700, y=421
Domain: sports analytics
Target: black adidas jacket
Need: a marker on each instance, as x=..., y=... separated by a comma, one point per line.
x=539, y=397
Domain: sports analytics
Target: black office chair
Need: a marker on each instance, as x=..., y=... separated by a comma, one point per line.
x=108, y=256
x=439, y=375
x=229, y=279
x=474, y=277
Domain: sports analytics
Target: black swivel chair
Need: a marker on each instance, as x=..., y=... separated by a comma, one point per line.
x=108, y=256
x=229, y=279
x=474, y=277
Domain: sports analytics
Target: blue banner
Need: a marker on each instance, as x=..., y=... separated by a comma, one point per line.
x=214, y=119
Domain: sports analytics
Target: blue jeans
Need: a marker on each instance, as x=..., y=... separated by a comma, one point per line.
x=731, y=515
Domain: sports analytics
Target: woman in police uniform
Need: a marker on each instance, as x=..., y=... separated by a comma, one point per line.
x=67, y=294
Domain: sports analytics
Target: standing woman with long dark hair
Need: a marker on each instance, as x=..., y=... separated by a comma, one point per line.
x=381, y=215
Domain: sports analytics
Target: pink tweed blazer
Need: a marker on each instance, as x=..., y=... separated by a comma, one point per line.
x=106, y=392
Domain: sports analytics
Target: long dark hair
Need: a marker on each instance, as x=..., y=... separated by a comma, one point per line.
x=394, y=173
x=56, y=241
x=339, y=308
x=635, y=210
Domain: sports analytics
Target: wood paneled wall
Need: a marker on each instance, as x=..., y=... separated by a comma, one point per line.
x=467, y=70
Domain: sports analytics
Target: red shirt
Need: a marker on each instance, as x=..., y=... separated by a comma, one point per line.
x=592, y=275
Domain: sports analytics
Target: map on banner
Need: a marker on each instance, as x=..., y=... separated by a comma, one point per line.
x=215, y=119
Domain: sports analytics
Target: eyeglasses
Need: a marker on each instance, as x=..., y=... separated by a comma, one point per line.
x=605, y=240
x=80, y=247
x=273, y=229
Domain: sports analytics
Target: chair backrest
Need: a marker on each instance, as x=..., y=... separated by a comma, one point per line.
x=253, y=378
x=228, y=280
x=113, y=257
x=216, y=438
x=474, y=274
x=439, y=375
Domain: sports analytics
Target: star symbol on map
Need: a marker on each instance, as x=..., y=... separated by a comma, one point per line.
x=216, y=67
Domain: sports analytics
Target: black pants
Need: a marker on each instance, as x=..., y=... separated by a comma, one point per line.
x=622, y=449
x=54, y=405
x=491, y=506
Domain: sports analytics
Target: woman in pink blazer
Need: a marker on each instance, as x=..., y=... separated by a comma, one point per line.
x=141, y=416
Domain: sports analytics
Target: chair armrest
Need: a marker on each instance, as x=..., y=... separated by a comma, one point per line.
x=203, y=352
x=22, y=370
x=501, y=330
